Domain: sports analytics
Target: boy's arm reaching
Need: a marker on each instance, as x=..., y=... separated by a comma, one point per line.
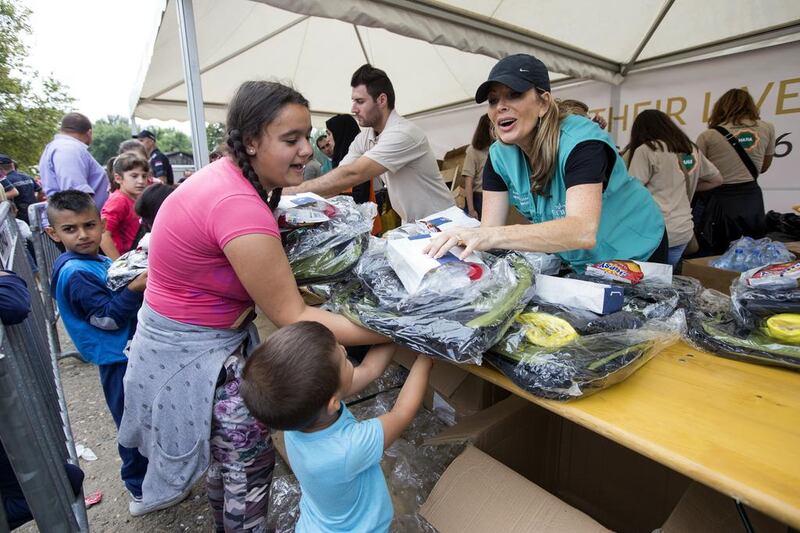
x=375, y=362
x=408, y=402
x=101, y=307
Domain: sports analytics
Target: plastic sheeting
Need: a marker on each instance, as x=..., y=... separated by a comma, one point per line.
x=450, y=316
x=327, y=252
x=588, y=363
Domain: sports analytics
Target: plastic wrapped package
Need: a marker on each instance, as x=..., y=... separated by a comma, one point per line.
x=542, y=263
x=651, y=299
x=284, y=505
x=327, y=251
x=752, y=306
x=746, y=253
x=714, y=328
x=582, y=364
x=128, y=266
x=450, y=316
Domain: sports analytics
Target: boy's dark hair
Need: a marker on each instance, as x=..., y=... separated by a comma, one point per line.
x=254, y=106
x=149, y=202
x=376, y=81
x=71, y=200
x=128, y=161
x=290, y=378
x=76, y=122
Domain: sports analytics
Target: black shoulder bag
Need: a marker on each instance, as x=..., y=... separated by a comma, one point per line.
x=733, y=141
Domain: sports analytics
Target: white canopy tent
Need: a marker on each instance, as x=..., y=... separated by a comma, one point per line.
x=437, y=53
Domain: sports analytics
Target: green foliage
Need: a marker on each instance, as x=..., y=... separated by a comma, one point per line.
x=107, y=134
x=29, y=115
x=215, y=134
x=172, y=140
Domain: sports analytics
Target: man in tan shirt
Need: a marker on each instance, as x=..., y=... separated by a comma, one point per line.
x=391, y=147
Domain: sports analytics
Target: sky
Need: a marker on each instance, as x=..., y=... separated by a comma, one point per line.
x=98, y=48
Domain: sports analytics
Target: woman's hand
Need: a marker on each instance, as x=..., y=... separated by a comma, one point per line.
x=472, y=239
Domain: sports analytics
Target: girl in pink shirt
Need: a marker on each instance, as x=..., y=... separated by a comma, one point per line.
x=122, y=222
x=215, y=253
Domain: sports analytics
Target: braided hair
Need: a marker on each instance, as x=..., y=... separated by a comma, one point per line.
x=254, y=106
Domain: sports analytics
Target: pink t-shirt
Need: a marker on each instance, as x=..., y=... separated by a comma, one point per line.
x=121, y=220
x=190, y=279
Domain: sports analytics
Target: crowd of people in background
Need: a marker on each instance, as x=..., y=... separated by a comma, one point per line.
x=189, y=386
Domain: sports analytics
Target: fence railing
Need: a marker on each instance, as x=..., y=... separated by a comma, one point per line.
x=46, y=252
x=34, y=422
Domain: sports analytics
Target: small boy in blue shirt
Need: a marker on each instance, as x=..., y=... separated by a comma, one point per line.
x=99, y=321
x=296, y=381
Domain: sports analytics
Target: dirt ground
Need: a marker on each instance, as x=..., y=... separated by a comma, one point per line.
x=93, y=426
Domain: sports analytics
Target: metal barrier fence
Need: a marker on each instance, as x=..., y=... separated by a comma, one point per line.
x=35, y=429
x=46, y=253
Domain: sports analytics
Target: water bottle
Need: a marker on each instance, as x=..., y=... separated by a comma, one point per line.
x=738, y=261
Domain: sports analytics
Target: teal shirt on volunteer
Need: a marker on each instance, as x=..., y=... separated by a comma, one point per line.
x=631, y=223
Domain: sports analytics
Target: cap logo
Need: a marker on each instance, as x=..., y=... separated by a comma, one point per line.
x=524, y=70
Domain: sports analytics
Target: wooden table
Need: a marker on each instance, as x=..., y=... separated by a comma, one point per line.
x=730, y=425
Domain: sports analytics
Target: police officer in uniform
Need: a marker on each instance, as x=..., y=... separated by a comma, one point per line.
x=159, y=164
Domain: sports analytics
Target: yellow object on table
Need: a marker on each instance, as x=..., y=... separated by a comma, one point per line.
x=730, y=425
x=544, y=329
x=784, y=327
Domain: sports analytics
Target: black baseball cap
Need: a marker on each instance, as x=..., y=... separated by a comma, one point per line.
x=5, y=160
x=519, y=71
x=145, y=134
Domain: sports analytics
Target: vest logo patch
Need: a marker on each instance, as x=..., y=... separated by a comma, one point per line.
x=559, y=210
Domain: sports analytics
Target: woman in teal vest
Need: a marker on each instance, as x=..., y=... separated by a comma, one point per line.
x=563, y=173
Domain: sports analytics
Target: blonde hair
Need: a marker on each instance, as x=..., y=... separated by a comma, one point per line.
x=543, y=150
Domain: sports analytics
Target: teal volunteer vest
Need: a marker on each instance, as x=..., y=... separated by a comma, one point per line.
x=631, y=224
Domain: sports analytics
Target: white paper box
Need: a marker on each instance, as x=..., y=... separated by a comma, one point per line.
x=452, y=217
x=596, y=297
x=410, y=264
x=656, y=272
x=293, y=201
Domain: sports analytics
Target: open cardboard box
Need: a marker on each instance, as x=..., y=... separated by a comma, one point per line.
x=706, y=510
x=710, y=277
x=617, y=487
x=718, y=278
x=477, y=494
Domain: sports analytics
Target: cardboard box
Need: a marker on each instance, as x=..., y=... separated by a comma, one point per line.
x=467, y=394
x=711, y=278
x=619, y=488
x=718, y=278
x=477, y=494
x=706, y=510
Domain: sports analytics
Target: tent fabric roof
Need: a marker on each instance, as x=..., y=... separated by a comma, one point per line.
x=436, y=53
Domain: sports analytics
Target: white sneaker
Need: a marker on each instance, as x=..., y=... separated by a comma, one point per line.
x=137, y=508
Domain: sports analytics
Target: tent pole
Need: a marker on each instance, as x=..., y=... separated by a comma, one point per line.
x=649, y=35
x=191, y=72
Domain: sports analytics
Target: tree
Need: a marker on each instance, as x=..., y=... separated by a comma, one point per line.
x=107, y=134
x=215, y=134
x=172, y=140
x=29, y=116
